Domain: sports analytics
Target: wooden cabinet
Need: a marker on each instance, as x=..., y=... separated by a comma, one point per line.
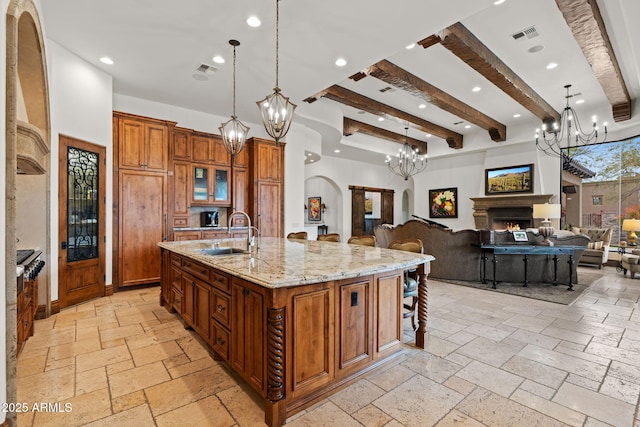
x=210, y=185
x=203, y=234
x=248, y=320
x=207, y=148
x=187, y=235
x=196, y=305
x=266, y=178
x=180, y=194
x=143, y=145
x=181, y=144
x=240, y=190
x=27, y=304
x=141, y=225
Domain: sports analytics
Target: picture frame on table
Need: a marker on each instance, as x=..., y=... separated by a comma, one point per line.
x=520, y=236
x=507, y=180
x=314, y=210
x=443, y=203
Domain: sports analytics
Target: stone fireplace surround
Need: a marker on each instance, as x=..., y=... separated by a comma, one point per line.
x=502, y=209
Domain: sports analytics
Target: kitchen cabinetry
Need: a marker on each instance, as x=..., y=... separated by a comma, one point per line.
x=143, y=144
x=181, y=144
x=27, y=304
x=210, y=185
x=179, y=235
x=196, y=305
x=207, y=148
x=180, y=192
x=266, y=176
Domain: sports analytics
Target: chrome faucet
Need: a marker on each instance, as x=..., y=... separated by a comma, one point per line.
x=249, y=227
x=256, y=241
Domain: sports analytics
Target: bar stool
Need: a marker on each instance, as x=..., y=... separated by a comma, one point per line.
x=362, y=240
x=410, y=284
x=298, y=235
x=331, y=237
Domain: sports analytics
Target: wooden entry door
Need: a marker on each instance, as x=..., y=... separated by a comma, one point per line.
x=81, y=224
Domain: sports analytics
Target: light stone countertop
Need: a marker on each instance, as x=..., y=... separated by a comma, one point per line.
x=285, y=262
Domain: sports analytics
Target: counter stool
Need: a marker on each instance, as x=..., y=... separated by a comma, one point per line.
x=410, y=284
x=362, y=240
x=298, y=235
x=331, y=237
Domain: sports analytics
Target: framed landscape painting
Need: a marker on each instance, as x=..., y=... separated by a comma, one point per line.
x=512, y=179
x=443, y=203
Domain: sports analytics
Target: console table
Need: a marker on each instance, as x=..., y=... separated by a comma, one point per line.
x=527, y=250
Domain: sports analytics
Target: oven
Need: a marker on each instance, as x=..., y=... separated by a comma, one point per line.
x=29, y=264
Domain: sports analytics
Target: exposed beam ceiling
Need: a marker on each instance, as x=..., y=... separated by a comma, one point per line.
x=586, y=24
x=345, y=96
x=351, y=126
x=404, y=80
x=462, y=43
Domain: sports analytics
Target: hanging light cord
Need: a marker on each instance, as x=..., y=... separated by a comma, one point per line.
x=234, y=80
x=277, y=36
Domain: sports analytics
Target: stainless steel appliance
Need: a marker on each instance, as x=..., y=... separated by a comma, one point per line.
x=29, y=262
x=209, y=219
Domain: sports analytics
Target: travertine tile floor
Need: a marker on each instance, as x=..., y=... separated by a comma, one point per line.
x=492, y=360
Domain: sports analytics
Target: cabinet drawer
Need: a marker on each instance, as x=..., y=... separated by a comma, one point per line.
x=176, y=260
x=180, y=222
x=220, y=340
x=196, y=269
x=176, y=279
x=220, y=304
x=220, y=281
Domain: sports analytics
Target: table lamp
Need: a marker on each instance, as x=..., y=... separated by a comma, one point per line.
x=546, y=211
x=631, y=226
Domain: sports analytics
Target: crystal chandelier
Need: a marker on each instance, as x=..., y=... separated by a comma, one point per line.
x=275, y=110
x=551, y=140
x=234, y=132
x=407, y=162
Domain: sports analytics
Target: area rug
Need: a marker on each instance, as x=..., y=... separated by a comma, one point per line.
x=541, y=291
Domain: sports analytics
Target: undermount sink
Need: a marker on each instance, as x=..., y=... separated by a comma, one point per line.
x=222, y=251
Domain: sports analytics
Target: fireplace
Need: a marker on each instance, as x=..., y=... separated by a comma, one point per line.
x=498, y=211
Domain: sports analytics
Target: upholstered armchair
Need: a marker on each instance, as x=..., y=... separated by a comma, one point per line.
x=631, y=263
x=597, y=252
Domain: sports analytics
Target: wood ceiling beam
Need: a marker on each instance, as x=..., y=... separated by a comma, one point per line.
x=462, y=43
x=351, y=126
x=586, y=24
x=404, y=80
x=360, y=102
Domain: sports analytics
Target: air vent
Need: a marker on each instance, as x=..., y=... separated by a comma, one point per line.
x=457, y=123
x=528, y=33
x=387, y=89
x=206, y=68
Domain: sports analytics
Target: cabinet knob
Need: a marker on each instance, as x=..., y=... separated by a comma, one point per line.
x=220, y=308
x=219, y=341
x=193, y=283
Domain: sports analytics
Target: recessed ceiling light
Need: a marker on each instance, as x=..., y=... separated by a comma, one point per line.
x=218, y=59
x=411, y=46
x=336, y=151
x=476, y=89
x=497, y=2
x=253, y=21
x=106, y=60
x=536, y=48
x=311, y=160
x=422, y=106
x=516, y=115
x=551, y=66
x=362, y=112
x=467, y=126
x=341, y=62
x=580, y=101
x=381, y=119
x=427, y=135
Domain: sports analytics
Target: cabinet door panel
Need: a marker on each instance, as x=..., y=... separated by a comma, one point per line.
x=268, y=210
x=389, y=315
x=181, y=189
x=354, y=323
x=156, y=147
x=240, y=192
x=202, y=309
x=200, y=149
x=181, y=146
x=220, y=154
x=131, y=149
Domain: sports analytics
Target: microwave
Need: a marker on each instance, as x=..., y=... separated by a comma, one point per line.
x=209, y=219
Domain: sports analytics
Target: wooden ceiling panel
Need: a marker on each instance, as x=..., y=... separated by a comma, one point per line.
x=587, y=26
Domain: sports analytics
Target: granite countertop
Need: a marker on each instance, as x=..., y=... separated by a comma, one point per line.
x=282, y=262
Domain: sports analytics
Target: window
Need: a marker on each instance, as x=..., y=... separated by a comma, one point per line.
x=596, y=200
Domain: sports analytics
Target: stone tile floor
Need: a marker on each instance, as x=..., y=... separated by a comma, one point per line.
x=492, y=360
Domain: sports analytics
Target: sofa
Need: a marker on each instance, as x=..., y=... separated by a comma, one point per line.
x=631, y=263
x=597, y=252
x=458, y=255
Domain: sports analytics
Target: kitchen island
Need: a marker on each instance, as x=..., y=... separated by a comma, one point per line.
x=297, y=319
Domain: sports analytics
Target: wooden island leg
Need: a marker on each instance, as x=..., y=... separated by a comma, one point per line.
x=421, y=332
x=275, y=403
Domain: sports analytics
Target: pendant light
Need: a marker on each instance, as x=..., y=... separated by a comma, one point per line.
x=275, y=110
x=407, y=162
x=234, y=132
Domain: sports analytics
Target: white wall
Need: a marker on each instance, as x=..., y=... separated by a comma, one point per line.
x=81, y=107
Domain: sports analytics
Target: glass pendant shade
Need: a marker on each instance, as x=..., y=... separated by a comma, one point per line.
x=234, y=132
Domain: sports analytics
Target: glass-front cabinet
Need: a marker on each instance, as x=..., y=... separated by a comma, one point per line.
x=210, y=185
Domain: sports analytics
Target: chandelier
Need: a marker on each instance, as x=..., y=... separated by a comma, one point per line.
x=275, y=110
x=234, y=132
x=407, y=162
x=562, y=135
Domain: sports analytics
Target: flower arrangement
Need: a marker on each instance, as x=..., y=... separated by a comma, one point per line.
x=443, y=203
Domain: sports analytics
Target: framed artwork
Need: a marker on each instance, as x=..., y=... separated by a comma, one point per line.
x=512, y=179
x=372, y=205
x=520, y=236
x=314, y=212
x=443, y=203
